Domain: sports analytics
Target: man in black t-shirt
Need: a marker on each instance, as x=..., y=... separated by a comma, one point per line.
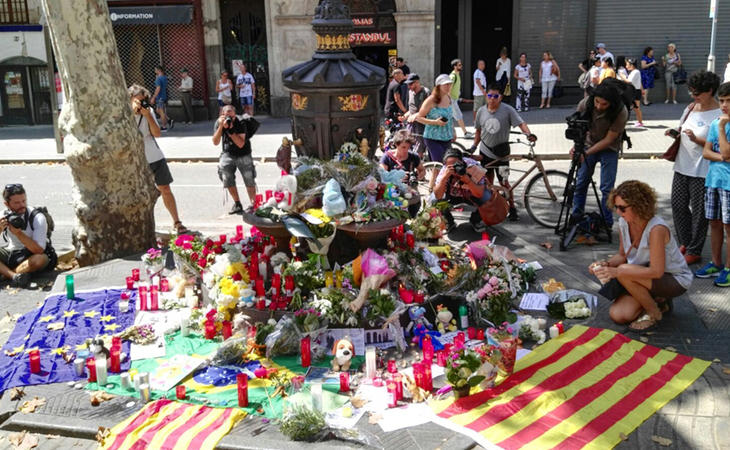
x=236, y=154
x=394, y=98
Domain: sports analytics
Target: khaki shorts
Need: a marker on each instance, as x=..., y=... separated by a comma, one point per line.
x=227, y=170
x=479, y=101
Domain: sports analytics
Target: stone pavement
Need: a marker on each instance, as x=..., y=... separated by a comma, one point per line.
x=193, y=142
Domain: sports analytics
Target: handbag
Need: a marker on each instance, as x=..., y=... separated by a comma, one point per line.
x=507, y=90
x=671, y=153
x=558, y=90
x=494, y=210
x=527, y=84
x=226, y=99
x=680, y=76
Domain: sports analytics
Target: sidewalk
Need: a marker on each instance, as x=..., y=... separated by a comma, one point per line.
x=25, y=144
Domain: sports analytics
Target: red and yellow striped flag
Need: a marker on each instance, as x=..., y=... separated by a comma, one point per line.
x=165, y=424
x=581, y=390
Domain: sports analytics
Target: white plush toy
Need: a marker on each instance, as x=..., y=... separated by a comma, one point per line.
x=286, y=187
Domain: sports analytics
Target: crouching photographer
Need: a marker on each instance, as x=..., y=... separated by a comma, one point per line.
x=463, y=180
x=26, y=231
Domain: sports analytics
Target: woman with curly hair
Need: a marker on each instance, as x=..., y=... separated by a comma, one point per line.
x=648, y=270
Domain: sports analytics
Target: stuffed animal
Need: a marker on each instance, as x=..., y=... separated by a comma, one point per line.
x=417, y=315
x=446, y=321
x=333, y=203
x=97, y=347
x=417, y=394
x=343, y=351
x=283, y=155
x=285, y=190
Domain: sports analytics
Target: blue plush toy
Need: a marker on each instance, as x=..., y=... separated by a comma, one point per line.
x=394, y=177
x=333, y=203
x=420, y=331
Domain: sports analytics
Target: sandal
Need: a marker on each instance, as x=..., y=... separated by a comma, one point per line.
x=644, y=318
x=665, y=305
x=180, y=228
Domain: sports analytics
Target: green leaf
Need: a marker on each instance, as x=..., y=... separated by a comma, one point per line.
x=475, y=380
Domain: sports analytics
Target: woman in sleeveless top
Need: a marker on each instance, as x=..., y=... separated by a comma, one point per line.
x=437, y=116
x=224, y=88
x=649, y=268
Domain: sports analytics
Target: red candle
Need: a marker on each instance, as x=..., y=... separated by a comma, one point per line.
x=461, y=336
x=223, y=238
x=427, y=376
x=405, y=294
x=91, y=369
x=114, y=360
x=154, y=298
x=239, y=231
x=392, y=395
x=427, y=346
x=253, y=266
x=242, y=382
x=130, y=283
x=135, y=274
x=209, y=329
x=480, y=334
x=472, y=333
x=418, y=375
x=344, y=381
x=391, y=366
x=447, y=348
x=116, y=342
x=164, y=285
x=306, y=351
x=269, y=194
x=276, y=284
x=259, y=201
x=260, y=290
x=180, y=392
x=410, y=240
x=560, y=327
x=419, y=297
x=289, y=283
x=35, y=361
x=227, y=329
x=398, y=380
x=441, y=359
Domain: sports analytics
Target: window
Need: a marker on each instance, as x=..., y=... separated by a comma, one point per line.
x=13, y=11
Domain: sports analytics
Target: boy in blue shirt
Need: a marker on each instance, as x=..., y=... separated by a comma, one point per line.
x=717, y=191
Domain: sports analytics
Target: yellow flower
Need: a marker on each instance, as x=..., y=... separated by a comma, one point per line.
x=319, y=214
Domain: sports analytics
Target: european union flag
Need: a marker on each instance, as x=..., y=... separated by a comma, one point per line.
x=59, y=329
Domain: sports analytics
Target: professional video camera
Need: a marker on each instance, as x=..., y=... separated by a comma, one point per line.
x=578, y=126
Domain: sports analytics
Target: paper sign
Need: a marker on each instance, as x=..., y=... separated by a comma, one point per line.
x=171, y=371
x=534, y=301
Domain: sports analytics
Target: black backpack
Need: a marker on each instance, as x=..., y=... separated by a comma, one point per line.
x=49, y=220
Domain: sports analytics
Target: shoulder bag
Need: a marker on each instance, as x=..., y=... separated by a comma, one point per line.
x=671, y=153
x=494, y=210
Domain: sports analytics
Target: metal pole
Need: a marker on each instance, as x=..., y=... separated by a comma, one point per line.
x=713, y=16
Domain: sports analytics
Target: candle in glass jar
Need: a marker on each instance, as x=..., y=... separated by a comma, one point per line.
x=35, y=361
x=427, y=375
x=142, y=294
x=398, y=380
x=471, y=332
x=289, y=284
x=101, y=372
x=91, y=369
x=130, y=283
x=316, y=392
x=144, y=392
x=239, y=231
x=561, y=328
x=419, y=297
x=480, y=334
x=263, y=269
x=223, y=238
x=427, y=348
x=269, y=194
x=242, y=384
x=541, y=322
x=79, y=366
x=154, y=298
x=370, y=362
x=125, y=380
x=185, y=327
x=260, y=290
x=115, y=365
x=418, y=375
x=441, y=359
x=209, y=329
x=135, y=274
x=227, y=329
x=180, y=392
x=305, y=348
x=391, y=366
x=392, y=394
x=554, y=332
x=164, y=285
x=339, y=278
x=410, y=240
x=329, y=279
x=70, y=293
x=344, y=381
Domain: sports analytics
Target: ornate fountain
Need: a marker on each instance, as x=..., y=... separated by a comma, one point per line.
x=334, y=96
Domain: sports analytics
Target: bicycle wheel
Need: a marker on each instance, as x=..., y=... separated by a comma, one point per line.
x=459, y=146
x=424, y=186
x=540, y=205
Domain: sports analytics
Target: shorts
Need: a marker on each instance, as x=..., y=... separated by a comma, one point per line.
x=161, y=171
x=247, y=100
x=456, y=111
x=717, y=204
x=479, y=101
x=161, y=105
x=666, y=287
x=637, y=95
x=436, y=149
x=501, y=168
x=13, y=258
x=227, y=170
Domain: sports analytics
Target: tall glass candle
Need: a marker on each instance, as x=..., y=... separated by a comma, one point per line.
x=180, y=392
x=79, y=366
x=370, y=362
x=316, y=392
x=125, y=380
x=142, y=294
x=392, y=394
x=164, y=285
x=441, y=359
x=305, y=348
x=101, y=372
x=70, y=287
x=418, y=375
x=242, y=385
x=344, y=381
x=471, y=332
x=156, y=281
x=398, y=380
x=391, y=366
x=35, y=361
x=329, y=279
x=239, y=231
x=209, y=329
x=427, y=375
x=135, y=274
x=339, y=278
x=130, y=283
x=427, y=348
x=115, y=365
x=480, y=334
x=91, y=369
x=227, y=329
x=154, y=298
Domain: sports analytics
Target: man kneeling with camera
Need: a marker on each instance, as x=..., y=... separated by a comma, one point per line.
x=26, y=232
x=462, y=180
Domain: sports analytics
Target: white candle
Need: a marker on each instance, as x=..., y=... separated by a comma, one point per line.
x=541, y=323
x=123, y=306
x=316, y=391
x=156, y=281
x=554, y=332
x=370, y=362
x=262, y=269
x=185, y=327
x=101, y=371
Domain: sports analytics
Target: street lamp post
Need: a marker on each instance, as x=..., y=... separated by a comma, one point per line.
x=711, y=56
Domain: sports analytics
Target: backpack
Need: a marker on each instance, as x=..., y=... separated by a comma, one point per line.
x=584, y=80
x=49, y=220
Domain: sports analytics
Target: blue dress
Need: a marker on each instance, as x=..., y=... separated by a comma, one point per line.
x=647, y=75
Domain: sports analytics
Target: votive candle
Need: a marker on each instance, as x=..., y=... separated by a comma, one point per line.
x=227, y=329
x=101, y=371
x=239, y=231
x=441, y=359
x=480, y=334
x=427, y=348
x=154, y=298
x=180, y=392
x=316, y=392
x=329, y=279
x=130, y=283
x=70, y=294
x=242, y=384
x=164, y=285
x=370, y=362
x=35, y=361
x=392, y=394
x=472, y=333
x=209, y=329
x=344, y=381
x=135, y=274
x=115, y=365
x=79, y=366
x=391, y=366
x=142, y=294
x=305, y=348
x=398, y=380
x=91, y=369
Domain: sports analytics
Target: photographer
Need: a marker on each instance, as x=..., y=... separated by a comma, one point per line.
x=236, y=154
x=402, y=158
x=148, y=127
x=462, y=180
x=606, y=115
x=26, y=232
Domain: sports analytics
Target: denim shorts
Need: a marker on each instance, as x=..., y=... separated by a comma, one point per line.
x=247, y=100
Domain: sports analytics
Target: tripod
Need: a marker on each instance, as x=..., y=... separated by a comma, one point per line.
x=567, y=228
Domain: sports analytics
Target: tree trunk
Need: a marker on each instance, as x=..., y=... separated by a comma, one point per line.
x=114, y=194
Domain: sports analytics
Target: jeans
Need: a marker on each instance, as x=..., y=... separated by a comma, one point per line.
x=609, y=166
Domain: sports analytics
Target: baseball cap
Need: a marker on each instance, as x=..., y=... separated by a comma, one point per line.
x=600, y=45
x=412, y=77
x=442, y=79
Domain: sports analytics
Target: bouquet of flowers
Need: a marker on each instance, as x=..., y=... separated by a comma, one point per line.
x=286, y=337
x=380, y=306
x=494, y=299
x=504, y=337
x=530, y=330
x=428, y=224
x=308, y=275
x=461, y=370
x=334, y=305
x=153, y=257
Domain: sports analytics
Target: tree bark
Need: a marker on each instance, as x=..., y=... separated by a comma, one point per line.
x=114, y=193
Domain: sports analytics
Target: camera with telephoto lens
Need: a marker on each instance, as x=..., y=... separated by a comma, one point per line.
x=229, y=121
x=460, y=168
x=578, y=127
x=15, y=219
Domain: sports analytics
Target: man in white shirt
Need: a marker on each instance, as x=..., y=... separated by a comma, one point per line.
x=186, y=95
x=603, y=53
x=480, y=87
x=246, y=86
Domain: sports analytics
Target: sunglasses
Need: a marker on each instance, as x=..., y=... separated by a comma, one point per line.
x=622, y=208
x=12, y=189
x=492, y=95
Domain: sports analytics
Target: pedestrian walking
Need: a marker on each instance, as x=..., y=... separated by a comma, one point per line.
x=480, y=87
x=549, y=75
x=224, y=88
x=634, y=79
x=690, y=168
x=159, y=99
x=504, y=66
x=648, y=73
x=186, y=95
x=671, y=62
x=523, y=74
x=602, y=52
x=607, y=70
x=246, y=86
x=594, y=76
x=455, y=94
x=416, y=96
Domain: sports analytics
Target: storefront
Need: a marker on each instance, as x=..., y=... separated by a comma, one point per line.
x=169, y=35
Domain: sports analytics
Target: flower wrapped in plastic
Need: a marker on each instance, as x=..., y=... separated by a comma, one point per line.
x=530, y=330
x=428, y=224
x=291, y=329
x=375, y=273
x=504, y=337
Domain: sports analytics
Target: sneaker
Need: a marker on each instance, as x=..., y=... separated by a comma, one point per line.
x=666, y=101
x=639, y=125
x=170, y=124
x=513, y=216
x=163, y=129
x=723, y=279
x=237, y=208
x=468, y=135
x=674, y=101
x=692, y=259
x=710, y=270
x=21, y=280
x=479, y=227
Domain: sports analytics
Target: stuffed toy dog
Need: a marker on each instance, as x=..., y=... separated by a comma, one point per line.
x=343, y=352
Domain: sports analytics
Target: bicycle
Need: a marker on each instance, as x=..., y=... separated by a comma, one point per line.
x=543, y=195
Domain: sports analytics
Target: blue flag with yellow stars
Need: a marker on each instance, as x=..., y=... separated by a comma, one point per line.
x=59, y=330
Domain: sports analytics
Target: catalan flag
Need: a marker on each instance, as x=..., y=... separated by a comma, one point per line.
x=165, y=424
x=581, y=390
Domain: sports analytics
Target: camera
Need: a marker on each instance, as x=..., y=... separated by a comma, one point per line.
x=15, y=219
x=413, y=179
x=460, y=168
x=578, y=127
x=145, y=103
x=229, y=121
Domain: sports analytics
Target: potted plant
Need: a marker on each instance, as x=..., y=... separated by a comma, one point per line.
x=462, y=366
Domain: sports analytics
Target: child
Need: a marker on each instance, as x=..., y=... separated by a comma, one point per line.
x=717, y=191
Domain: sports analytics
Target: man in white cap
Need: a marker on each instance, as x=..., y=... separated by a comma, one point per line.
x=603, y=53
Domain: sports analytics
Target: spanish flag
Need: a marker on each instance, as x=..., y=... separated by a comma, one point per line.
x=581, y=390
x=165, y=424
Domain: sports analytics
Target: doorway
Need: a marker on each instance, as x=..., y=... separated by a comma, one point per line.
x=14, y=96
x=492, y=30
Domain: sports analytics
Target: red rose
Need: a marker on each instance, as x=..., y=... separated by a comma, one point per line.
x=237, y=277
x=202, y=262
x=218, y=250
x=194, y=256
x=208, y=243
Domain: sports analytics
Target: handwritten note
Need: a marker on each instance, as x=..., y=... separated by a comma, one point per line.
x=534, y=301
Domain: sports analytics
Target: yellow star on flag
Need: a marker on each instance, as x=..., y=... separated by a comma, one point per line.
x=106, y=318
x=91, y=314
x=28, y=350
x=27, y=336
x=61, y=350
x=82, y=346
x=111, y=327
x=45, y=319
x=56, y=326
x=69, y=313
x=15, y=351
